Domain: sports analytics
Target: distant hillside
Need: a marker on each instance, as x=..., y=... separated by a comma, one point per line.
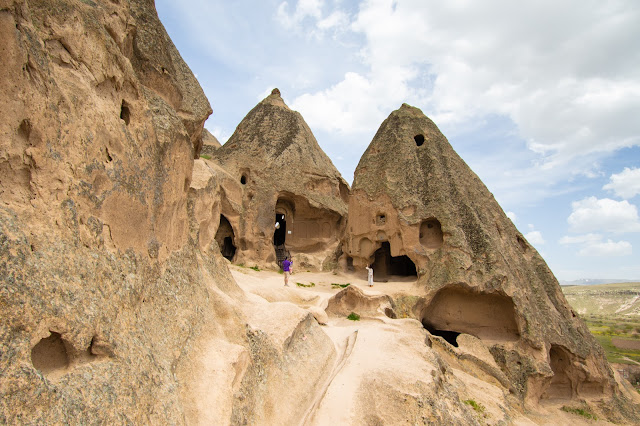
x=611, y=300
x=593, y=281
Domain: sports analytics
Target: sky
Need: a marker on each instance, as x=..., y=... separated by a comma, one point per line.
x=540, y=98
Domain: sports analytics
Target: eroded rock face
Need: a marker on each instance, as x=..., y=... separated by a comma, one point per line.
x=292, y=195
x=101, y=120
x=209, y=143
x=417, y=209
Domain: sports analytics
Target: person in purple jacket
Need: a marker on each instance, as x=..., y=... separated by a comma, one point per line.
x=286, y=267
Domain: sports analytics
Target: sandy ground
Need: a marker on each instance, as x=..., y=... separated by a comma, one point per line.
x=391, y=351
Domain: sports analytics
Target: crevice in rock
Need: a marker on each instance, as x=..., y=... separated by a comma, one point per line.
x=125, y=113
x=419, y=139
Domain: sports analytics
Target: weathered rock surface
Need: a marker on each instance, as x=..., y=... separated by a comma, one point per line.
x=116, y=300
x=111, y=312
x=353, y=299
x=288, y=179
x=209, y=143
x=101, y=120
x=417, y=209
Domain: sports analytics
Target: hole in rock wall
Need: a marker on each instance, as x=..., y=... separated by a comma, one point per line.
x=384, y=264
x=125, y=114
x=568, y=379
x=486, y=316
x=431, y=233
x=225, y=238
x=560, y=386
x=419, y=139
x=243, y=179
x=449, y=336
x=381, y=219
x=50, y=355
x=350, y=263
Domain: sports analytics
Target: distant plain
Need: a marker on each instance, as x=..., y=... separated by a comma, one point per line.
x=612, y=313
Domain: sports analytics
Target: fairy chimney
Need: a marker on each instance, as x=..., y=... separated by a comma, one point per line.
x=417, y=209
x=293, y=198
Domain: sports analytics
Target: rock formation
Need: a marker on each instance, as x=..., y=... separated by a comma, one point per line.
x=110, y=312
x=101, y=121
x=118, y=306
x=417, y=209
x=293, y=197
x=209, y=143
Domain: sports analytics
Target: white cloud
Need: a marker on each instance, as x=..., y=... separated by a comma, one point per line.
x=308, y=19
x=607, y=249
x=572, y=89
x=593, y=245
x=534, y=237
x=303, y=9
x=581, y=239
x=603, y=215
x=625, y=184
x=337, y=19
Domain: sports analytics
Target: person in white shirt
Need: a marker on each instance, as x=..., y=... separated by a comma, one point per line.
x=370, y=275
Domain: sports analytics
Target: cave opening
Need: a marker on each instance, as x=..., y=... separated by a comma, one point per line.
x=560, y=386
x=225, y=239
x=125, y=113
x=419, y=139
x=448, y=335
x=460, y=309
x=385, y=265
x=431, y=233
x=50, y=354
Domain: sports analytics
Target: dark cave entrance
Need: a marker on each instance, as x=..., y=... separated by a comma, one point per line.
x=280, y=233
x=385, y=265
x=448, y=335
x=225, y=239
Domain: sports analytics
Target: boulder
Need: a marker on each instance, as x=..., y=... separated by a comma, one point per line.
x=354, y=299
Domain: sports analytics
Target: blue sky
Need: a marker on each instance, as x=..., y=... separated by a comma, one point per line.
x=540, y=98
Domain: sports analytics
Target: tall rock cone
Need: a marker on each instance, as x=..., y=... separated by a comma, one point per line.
x=293, y=198
x=417, y=209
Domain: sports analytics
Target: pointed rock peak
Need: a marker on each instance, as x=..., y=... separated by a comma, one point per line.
x=275, y=99
x=408, y=109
